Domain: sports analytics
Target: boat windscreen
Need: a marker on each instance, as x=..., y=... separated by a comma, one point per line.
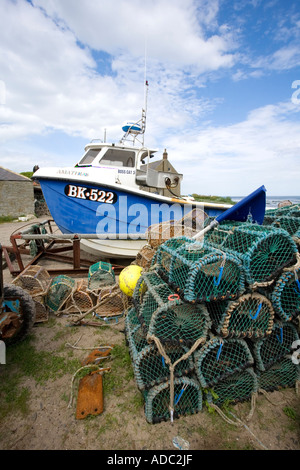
x=118, y=157
x=89, y=157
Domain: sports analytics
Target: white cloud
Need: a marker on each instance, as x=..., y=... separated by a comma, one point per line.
x=52, y=78
x=175, y=32
x=263, y=149
x=286, y=58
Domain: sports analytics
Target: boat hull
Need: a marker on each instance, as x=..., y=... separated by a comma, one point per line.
x=118, y=217
x=108, y=249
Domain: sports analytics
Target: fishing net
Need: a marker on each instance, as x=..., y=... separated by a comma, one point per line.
x=41, y=311
x=187, y=400
x=283, y=374
x=60, y=289
x=173, y=328
x=131, y=320
x=34, y=279
x=291, y=209
x=250, y=316
x=164, y=254
x=145, y=256
x=285, y=296
x=188, y=226
x=134, y=333
x=264, y=251
x=295, y=211
x=150, y=367
x=288, y=223
x=110, y=302
x=199, y=272
x=219, y=358
x=179, y=323
x=79, y=300
x=136, y=339
x=296, y=239
x=217, y=313
x=166, y=317
x=274, y=347
x=100, y=274
x=140, y=293
x=239, y=387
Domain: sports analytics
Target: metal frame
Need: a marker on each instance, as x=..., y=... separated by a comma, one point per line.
x=46, y=248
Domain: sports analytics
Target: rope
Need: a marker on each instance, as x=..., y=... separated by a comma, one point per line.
x=262, y=284
x=238, y=422
x=83, y=315
x=79, y=370
x=86, y=349
x=249, y=430
x=226, y=419
x=296, y=265
x=235, y=305
x=253, y=404
x=172, y=366
x=74, y=346
x=265, y=393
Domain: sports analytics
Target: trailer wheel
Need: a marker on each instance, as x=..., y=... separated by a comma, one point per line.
x=18, y=323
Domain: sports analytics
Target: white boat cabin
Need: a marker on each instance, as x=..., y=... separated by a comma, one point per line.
x=129, y=166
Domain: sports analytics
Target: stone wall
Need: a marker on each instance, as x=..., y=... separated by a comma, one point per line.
x=16, y=198
x=40, y=206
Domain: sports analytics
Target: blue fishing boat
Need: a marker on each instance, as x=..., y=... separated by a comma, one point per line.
x=115, y=192
x=107, y=194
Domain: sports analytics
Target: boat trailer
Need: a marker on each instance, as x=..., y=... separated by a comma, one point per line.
x=39, y=241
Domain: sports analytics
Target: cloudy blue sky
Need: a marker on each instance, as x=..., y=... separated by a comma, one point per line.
x=223, y=95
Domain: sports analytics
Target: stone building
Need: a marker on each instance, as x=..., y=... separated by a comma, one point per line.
x=16, y=194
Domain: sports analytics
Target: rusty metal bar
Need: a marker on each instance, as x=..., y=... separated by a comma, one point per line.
x=80, y=266
x=71, y=236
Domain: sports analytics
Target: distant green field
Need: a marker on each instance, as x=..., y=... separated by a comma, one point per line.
x=27, y=173
x=220, y=199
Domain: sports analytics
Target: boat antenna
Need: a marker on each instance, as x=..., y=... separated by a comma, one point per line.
x=135, y=129
x=144, y=111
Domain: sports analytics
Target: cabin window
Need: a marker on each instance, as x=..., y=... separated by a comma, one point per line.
x=116, y=157
x=89, y=157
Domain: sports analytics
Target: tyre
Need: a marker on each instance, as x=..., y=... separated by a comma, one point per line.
x=22, y=322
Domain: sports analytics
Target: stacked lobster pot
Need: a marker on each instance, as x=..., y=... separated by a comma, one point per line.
x=278, y=359
x=286, y=218
x=270, y=257
x=162, y=332
x=99, y=294
x=200, y=273
x=215, y=320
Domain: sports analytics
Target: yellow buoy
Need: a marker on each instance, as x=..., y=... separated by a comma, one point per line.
x=128, y=278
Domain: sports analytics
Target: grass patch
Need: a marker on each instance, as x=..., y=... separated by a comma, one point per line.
x=121, y=372
x=40, y=365
x=290, y=412
x=13, y=398
x=6, y=218
x=23, y=360
x=294, y=417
